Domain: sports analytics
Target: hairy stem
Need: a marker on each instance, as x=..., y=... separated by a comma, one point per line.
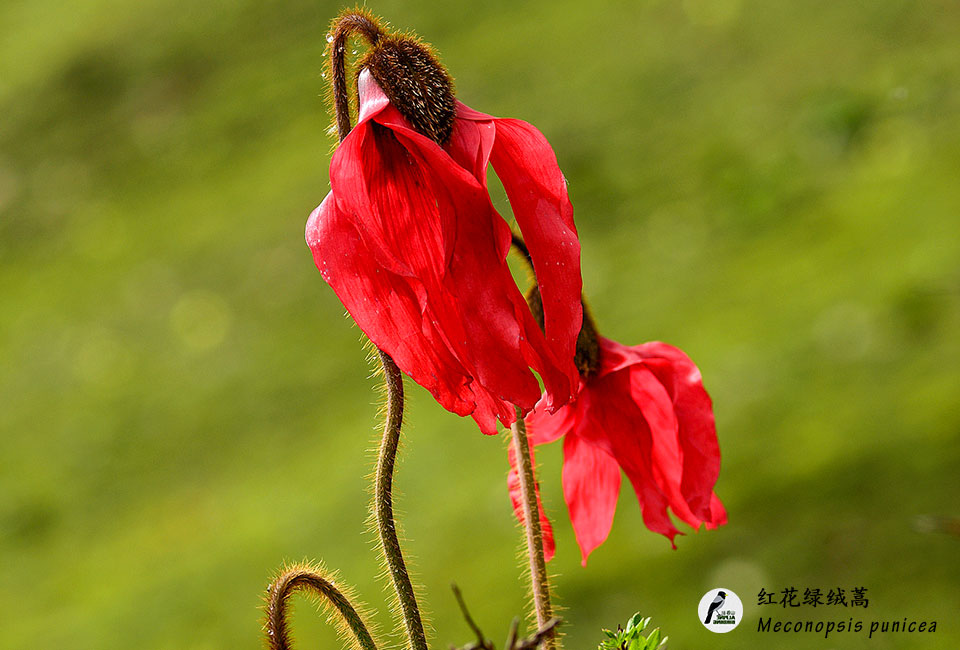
x=308, y=578
x=531, y=524
x=383, y=504
x=345, y=25
x=348, y=23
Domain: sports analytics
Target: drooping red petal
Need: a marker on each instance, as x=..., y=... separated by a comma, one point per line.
x=667, y=459
x=401, y=247
x=544, y=426
x=494, y=314
x=513, y=485
x=470, y=144
x=394, y=321
x=591, y=485
x=375, y=180
x=697, y=429
x=537, y=190
x=627, y=415
x=615, y=423
x=528, y=169
x=389, y=197
x=616, y=356
x=464, y=112
x=718, y=514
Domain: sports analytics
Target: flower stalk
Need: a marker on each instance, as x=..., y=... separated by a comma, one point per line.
x=539, y=581
x=383, y=504
x=349, y=23
x=345, y=25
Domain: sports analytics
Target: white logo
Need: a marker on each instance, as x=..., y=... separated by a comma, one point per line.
x=720, y=610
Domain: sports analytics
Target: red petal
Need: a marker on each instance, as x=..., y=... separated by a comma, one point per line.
x=591, y=485
x=697, y=429
x=718, y=514
x=464, y=112
x=616, y=356
x=527, y=167
x=394, y=321
x=498, y=324
x=544, y=427
x=614, y=422
x=470, y=145
x=513, y=485
x=376, y=180
x=424, y=241
x=667, y=459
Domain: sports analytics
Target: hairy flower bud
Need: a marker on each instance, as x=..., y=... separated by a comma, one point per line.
x=415, y=83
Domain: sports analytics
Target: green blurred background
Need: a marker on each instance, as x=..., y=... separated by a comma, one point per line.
x=183, y=405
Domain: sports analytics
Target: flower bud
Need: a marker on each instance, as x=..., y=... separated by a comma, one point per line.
x=415, y=83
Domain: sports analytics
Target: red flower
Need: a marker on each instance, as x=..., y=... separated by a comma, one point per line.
x=644, y=411
x=412, y=245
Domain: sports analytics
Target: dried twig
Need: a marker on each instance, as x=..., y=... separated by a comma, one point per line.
x=513, y=643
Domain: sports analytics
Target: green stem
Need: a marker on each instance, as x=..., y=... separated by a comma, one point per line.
x=309, y=578
x=383, y=505
x=358, y=22
x=350, y=22
x=539, y=582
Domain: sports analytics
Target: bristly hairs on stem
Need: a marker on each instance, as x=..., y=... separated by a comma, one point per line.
x=362, y=22
x=332, y=598
x=539, y=580
x=522, y=553
x=382, y=507
x=356, y=21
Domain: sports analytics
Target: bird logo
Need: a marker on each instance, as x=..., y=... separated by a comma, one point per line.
x=717, y=603
x=720, y=610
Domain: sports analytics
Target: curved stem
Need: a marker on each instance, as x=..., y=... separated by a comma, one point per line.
x=348, y=23
x=364, y=24
x=303, y=578
x=531, y=523
x=383, y=504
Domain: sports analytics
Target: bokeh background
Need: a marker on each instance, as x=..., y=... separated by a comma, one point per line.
x=183, y=404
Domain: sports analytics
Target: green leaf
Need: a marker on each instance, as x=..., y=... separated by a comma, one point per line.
x=632, y=637
x=653, y=641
